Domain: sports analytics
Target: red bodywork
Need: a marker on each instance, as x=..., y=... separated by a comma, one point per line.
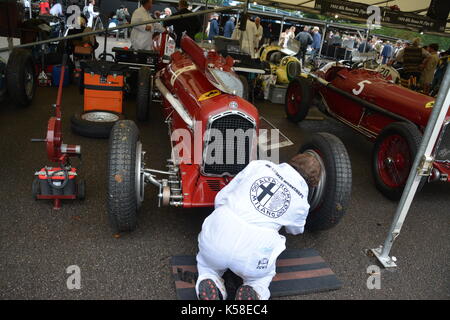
x=370, y=86
x=185, y=78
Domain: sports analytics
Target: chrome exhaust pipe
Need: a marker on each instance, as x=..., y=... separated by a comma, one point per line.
x=176, y=104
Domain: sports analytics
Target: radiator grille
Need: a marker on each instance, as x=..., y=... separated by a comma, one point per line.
x=443, y=147
x=214, y=185
x=228, y=144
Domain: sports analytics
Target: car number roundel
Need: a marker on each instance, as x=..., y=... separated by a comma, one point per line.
x=357, y=91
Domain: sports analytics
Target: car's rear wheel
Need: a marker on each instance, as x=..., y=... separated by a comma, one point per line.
x=20, y=77
x=298, y=99
x=125, y=176
x=293, y=69
x=144, y=94
x=393, y=156
x=246, y=92
x=330, y=199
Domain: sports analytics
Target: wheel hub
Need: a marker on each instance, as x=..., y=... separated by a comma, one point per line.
x=100, y=116
x=315, y=194
x=139, y=174
x=393, y=161
x=29, y=83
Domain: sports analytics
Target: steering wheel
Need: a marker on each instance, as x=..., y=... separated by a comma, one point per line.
x=347, y=63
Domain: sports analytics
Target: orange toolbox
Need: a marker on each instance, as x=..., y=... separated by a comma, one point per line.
x=103, y=85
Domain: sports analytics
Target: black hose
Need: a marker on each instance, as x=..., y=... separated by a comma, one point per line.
x=50, y=181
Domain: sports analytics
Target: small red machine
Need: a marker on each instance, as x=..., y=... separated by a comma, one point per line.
x=59, y=182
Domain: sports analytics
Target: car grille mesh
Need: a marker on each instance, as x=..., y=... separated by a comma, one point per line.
x=235, y=145
x=443, y=149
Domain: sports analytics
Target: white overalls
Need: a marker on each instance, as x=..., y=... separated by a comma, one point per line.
x=242, y=232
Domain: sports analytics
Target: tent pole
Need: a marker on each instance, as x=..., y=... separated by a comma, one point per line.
x=323, y=39
x=281, y=30
x=205, y=22
x=421, y=168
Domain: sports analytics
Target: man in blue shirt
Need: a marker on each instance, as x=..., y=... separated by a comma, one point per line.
x=387, y=52
x=213, y=27
x=229, y=27
x=317, y=40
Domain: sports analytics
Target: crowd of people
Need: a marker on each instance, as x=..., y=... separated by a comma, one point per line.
x=425, y=65
x=308, y=37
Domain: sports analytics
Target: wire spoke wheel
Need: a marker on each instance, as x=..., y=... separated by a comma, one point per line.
x=393, y=156
x=394, y=161
x=294, y=98
x=298, y=99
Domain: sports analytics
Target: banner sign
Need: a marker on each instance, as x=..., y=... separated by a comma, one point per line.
x=359, y=10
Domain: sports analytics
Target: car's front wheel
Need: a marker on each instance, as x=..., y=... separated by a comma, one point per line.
x=20, y=77
x=125, y=176
x=330, y=199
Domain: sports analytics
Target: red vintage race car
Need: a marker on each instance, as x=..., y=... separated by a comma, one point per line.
x=214, y=135
x=392, y=116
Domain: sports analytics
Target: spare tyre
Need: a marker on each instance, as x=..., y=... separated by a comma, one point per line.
x=94, y=123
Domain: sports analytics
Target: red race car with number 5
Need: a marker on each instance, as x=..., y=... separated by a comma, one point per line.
x=392, y=116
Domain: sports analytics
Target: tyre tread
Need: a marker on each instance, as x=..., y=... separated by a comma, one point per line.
x=122, y=203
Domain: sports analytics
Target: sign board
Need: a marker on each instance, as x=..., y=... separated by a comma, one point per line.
x=359, y=10
x=439, y=9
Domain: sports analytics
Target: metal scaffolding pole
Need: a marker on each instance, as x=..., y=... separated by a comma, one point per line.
x=421, y=168
x=282, y=25
x=324, y=31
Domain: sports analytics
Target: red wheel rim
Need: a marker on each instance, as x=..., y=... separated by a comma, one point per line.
x=394, y=161
x=294, y=98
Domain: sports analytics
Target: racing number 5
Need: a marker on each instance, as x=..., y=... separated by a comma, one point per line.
x=361, y=87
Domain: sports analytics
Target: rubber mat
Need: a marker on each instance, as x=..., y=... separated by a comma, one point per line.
x=299, y=271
